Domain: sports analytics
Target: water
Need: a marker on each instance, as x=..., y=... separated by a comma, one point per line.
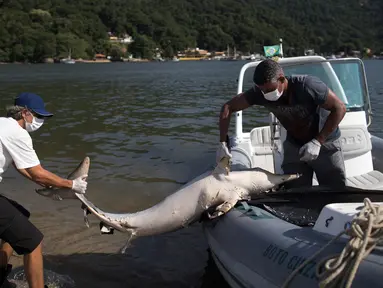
x=148, y=128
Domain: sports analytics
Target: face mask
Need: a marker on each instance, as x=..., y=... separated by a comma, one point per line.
x=35, y=125
x=273, y=95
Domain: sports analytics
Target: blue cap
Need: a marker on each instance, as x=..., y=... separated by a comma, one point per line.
x=33, y=102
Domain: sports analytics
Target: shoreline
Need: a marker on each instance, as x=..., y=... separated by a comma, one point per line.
x=79, y=61
x=128, y=61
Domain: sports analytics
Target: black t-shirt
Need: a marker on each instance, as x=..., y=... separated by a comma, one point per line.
x=296, y=109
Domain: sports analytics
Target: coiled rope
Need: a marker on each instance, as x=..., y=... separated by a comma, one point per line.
x=339, y=270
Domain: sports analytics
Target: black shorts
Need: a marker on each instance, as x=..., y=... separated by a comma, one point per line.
x=16, y=229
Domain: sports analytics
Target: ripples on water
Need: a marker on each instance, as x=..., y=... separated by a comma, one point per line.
x=147, y=128
x=375, y=86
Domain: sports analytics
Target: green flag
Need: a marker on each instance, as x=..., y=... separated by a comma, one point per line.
x=271, y=51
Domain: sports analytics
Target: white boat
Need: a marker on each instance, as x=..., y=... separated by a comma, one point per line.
x=68, y=60
x=261, y=242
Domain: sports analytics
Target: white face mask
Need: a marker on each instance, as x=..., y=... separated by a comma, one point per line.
x=35, y=125
x=273, y=95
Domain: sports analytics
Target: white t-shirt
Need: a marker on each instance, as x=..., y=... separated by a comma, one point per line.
x=15, y=146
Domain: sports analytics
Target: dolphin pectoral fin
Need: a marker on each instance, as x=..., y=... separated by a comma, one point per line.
x=57, y=197
x=223, y=208
x=227, y=170
x=128, y=244
x=105, y=229
x=86, y=213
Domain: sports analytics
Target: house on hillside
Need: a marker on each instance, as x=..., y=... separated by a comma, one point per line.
x=193, y=54
x=125, y=39
x=218, y=55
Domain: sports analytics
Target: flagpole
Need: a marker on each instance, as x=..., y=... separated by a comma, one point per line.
x=280, y=47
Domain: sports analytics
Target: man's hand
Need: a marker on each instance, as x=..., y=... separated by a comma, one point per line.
x=237, y=103
x=223, y=151
x=310, y=151
x=79, y=184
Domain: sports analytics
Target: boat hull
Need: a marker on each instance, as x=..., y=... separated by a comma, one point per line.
x=257, y=249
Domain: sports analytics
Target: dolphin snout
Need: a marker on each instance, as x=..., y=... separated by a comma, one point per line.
x=292, y=177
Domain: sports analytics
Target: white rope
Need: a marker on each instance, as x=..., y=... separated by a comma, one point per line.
x=339, y=270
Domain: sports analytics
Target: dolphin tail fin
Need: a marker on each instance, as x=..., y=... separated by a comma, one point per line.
x=81, y=169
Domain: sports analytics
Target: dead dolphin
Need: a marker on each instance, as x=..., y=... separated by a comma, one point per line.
x=217, y=189
x=62, y=193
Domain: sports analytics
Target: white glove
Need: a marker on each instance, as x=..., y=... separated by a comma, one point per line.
x=310, y=151
x=223, y=151
x=79, y=184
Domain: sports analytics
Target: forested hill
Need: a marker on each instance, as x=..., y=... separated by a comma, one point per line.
x=31, y=30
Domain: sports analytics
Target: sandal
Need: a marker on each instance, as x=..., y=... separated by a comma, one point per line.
x=4, y=274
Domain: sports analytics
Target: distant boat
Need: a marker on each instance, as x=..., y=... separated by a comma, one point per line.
x=228, y=57
x=68, y=60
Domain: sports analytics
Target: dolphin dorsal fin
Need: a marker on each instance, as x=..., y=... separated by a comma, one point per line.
x=223, y=167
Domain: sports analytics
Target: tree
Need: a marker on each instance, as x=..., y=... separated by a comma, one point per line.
x=32, y=30
x=143, y=47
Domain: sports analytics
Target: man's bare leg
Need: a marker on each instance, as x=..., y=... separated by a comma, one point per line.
x=5, y=254
x=33, y=266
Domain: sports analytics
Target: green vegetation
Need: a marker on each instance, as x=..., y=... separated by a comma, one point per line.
x=32, y=30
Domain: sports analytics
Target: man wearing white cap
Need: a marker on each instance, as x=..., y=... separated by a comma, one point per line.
x=16, y=231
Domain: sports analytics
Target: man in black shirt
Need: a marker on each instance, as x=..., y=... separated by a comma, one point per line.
x=301, y=104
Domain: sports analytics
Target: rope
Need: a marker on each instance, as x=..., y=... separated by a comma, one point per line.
x=339, y=270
